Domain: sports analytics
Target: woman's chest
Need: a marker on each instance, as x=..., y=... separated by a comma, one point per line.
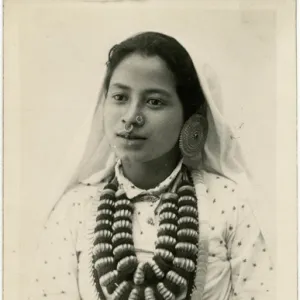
x=145, y=229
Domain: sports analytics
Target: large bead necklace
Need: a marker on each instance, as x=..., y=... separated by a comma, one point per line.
x=173, y=266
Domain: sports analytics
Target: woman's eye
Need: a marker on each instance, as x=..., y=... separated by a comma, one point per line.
x=155, y=102
x=119, y=97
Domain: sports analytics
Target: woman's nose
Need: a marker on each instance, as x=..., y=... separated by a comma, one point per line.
x=131, y=113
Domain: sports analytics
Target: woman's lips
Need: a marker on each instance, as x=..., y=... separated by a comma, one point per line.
x=131, y=140
x=130, y=136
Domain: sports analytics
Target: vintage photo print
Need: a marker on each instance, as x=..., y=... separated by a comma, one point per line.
x=150, y=150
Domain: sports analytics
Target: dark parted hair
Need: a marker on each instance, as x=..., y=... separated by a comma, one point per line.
x=175, y=56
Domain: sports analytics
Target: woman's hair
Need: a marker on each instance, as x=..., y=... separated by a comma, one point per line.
x=175, y=56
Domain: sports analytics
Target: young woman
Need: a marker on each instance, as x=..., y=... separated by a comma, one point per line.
x=166, y=217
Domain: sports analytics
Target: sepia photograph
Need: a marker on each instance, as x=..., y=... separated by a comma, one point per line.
x=150, y=150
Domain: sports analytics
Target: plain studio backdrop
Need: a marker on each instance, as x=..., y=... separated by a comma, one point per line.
x=57, y=53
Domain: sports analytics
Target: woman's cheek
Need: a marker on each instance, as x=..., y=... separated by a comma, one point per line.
x=111, y=119
x=172, y=125
x=167, y=133
x=109, y=130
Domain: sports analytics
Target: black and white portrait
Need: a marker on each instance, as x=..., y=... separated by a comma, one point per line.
x=149, y=163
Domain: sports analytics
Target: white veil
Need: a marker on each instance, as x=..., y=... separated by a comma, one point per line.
x=223, y=153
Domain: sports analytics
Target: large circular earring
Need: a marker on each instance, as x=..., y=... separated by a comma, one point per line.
x=192, y=139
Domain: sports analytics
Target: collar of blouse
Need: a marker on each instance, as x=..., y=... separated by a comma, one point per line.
x=132, y=191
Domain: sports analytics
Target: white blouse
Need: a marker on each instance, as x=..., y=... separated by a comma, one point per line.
x=238, y=266
x=145, y=218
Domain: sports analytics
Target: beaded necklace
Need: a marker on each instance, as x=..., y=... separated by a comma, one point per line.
x=173, y=266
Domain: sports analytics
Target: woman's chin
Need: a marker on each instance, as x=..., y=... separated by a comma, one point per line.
x=134, y=156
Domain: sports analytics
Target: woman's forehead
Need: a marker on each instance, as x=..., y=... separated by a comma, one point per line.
x=139, y=71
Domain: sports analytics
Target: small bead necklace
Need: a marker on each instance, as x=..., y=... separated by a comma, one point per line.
x=172, y=268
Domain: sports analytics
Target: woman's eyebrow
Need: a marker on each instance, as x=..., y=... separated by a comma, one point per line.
x=146, y=91
x=121, y=86
x=158, y=91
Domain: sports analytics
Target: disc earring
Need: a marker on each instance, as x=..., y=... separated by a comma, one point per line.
x=192, y=138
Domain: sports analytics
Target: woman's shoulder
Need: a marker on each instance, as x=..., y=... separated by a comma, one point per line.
x=78, y=196
x=81, y=190
x=225, y=199
x=216, y=184
x=221, y=190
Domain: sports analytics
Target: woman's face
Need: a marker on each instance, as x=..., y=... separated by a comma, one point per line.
x=143, y=86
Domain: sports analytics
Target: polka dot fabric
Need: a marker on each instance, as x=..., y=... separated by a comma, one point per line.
x=238, y=267
x=56, y=268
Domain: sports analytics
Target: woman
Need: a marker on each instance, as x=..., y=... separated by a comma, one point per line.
x=165, y=218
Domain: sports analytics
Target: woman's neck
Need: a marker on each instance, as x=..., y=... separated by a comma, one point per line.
x=147, y=175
